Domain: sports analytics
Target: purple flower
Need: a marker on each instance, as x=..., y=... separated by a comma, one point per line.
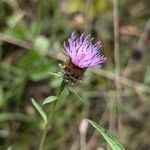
x=83, y=52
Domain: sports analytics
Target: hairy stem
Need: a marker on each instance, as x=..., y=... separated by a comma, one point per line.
x=51, y=115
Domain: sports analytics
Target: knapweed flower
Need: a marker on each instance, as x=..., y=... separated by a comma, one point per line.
x=83, y=53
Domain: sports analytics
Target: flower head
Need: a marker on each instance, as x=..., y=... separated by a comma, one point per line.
x=83, y=52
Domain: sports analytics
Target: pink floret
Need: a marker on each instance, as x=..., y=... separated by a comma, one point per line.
x=83, y=52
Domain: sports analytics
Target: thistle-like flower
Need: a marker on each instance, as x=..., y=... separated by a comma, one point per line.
x=83, y=53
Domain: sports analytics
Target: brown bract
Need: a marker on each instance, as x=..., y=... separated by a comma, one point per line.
x=72, y=73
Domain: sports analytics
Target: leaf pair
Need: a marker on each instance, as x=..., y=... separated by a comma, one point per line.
x=40, y=109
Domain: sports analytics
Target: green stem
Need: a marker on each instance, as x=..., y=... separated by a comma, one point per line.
x=51, y=115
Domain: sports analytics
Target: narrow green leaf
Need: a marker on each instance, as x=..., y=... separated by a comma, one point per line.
x=54, y=74
x=114, y=144
x=74, y=92
x=40, y=110
x=49, y=99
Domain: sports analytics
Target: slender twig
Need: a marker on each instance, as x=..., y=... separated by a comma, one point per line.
x=144, y=35
x=123, y=80
x=88, y=15
x=140, y=45
x=15, y=41
x=117, y=61
x=27, y=45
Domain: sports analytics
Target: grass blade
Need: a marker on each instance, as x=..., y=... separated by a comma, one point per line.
x=114, y=144
x=40, y=110
x=74, y=92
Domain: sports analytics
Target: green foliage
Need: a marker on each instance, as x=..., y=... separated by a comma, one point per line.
x=14, y=19
x=40, y=110
x=16, y=32
x=74, y=92
x=1, y=95
x=31, y=46
x=35, y=28
x=147, y=77
x=41, y=45
x=50, y=99
x=114, y=144
x=15, y=117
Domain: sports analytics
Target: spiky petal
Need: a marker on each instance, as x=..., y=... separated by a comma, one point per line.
x=83, y=52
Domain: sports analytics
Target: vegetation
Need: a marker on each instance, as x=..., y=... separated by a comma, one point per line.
x=116, y=96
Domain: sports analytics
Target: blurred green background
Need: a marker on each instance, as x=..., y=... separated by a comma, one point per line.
x=31, y=36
